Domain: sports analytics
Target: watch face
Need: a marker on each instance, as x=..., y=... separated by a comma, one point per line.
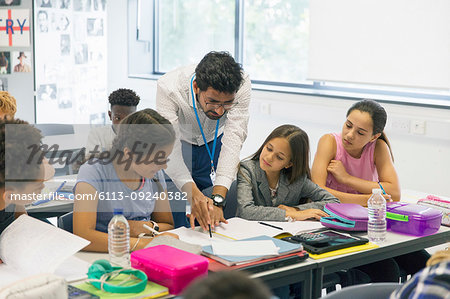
x=218, y=199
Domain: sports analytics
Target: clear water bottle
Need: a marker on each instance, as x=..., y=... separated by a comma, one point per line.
x=119, y=240
x=376, y=229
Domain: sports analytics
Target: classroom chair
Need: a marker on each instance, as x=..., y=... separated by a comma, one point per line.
x=367, y=291
x=66, y=222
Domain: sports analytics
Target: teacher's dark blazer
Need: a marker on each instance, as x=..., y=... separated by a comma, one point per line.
x=255, y=202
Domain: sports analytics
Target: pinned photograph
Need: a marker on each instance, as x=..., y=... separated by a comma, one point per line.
x=42, y=21
x=60, y=22
x=65, y=44
x=95, y=27
x=47, y=92
x=5, y=63
x=81, y=53
x=64, y=4
x=22, y=62
x=45, y=3
x=82, y=5
x=9, y=2
x=3, y=84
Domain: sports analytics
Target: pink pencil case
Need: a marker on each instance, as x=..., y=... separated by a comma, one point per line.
x=345, y=216
x=170, y=267
x=440, y=204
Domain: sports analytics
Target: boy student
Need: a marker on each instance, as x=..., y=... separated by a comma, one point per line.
x=22, y=172
x=8, y=106
x=123, y=102
x=208, y=105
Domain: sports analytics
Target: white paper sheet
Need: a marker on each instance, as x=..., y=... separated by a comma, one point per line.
x=245, y=248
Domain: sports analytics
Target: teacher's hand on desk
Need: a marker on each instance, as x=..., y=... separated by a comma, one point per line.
x=201, y=207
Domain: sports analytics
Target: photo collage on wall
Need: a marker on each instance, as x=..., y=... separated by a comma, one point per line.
x=70, y=47
x=14, y=33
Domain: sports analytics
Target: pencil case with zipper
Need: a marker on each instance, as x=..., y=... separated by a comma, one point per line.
x=412, y=219
x=345, y=216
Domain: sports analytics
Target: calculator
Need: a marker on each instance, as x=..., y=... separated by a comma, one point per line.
x=310, y=238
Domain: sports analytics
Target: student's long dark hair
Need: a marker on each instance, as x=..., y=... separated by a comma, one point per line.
x=142, y=129
x=378, y=115
x=299, y=144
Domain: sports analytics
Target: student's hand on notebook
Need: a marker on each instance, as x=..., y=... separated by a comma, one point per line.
x=307, y=214
x=286, y=208
x=337, y=169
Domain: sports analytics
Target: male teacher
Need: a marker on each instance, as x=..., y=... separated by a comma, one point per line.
x=208, y=105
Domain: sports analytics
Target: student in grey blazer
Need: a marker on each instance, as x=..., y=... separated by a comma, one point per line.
x=274, y=184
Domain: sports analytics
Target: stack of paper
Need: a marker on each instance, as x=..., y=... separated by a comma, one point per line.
x=29, y=246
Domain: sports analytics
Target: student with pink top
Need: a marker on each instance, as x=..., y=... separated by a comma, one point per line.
x=352, y=163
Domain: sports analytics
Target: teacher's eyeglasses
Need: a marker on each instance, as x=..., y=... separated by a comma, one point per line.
x=214, y=106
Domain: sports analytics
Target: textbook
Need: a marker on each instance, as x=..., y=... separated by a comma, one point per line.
x=29, y=246
x=284, y=248
x=238, y=228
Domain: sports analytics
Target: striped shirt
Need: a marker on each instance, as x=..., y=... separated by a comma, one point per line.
x=430, y=283
x=174, y=102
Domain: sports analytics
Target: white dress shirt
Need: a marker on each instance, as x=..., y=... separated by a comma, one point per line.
x=101, y=136
x=174, y=102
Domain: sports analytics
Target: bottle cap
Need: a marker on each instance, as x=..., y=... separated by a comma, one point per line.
x=376, y=191
x=118, y=211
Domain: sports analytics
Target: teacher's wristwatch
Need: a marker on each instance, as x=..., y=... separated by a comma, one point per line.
x=218, y=200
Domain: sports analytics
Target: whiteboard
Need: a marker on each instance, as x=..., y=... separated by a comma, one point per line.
x=382, y=42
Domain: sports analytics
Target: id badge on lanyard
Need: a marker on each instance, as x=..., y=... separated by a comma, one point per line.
x=212, y=175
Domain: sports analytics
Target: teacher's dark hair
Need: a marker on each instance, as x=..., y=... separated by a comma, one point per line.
x=219, y=71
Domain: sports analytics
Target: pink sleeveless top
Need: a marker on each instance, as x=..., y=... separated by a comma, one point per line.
x=363, y=168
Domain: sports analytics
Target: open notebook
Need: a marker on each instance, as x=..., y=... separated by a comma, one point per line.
x=29, y=246
x=238, y=228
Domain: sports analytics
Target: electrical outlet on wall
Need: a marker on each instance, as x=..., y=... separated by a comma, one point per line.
x=400, y=125
x=264, y=108
x=418, y=126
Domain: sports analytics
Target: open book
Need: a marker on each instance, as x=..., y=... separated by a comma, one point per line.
x=29, y=246
x=238, y=228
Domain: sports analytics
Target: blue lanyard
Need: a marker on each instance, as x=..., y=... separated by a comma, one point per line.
x=211, y=155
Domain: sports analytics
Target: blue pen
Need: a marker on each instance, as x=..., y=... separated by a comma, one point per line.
x=50, y=197
x=382, y=189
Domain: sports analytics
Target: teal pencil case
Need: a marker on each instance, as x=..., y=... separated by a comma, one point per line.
x=345, y=216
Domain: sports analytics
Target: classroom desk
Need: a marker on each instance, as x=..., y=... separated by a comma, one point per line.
x=395, y=245
x=53, y=208
x=298, y=273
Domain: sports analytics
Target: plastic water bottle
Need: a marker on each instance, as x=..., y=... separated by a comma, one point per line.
x=119, y=240
x=376, y=229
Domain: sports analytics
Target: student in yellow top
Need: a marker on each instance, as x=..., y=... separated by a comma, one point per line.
x=8, y=106
x=351, y=163
x=22, y=169
x=129, y=176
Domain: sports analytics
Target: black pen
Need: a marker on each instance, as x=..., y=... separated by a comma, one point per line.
x=263, y=223
x=210, y=233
